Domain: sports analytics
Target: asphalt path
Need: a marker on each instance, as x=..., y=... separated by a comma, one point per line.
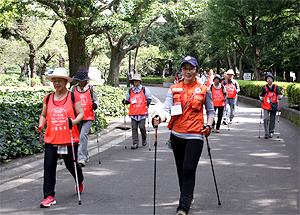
x=254, y=175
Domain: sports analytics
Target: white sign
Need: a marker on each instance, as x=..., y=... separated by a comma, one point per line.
x=247, y=76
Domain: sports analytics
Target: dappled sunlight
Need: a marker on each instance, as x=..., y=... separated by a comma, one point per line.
x=100, y=173
x=269, y=155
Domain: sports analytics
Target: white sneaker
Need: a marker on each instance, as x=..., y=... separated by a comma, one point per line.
x=81, y=163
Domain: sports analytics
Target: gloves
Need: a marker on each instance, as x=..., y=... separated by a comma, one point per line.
x=159, y=121
x=261, y=99
x=94, y=106
x=125, y=102
x=148, y=102
x=206, y=130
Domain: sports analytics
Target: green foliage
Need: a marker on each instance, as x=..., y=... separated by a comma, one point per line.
x=253, y=88
x=13, y=80
x=20, y=112
x=170, y=79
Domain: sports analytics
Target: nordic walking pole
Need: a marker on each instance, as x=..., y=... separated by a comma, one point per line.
x=260, y=122
x=278, y=119
x=148, y=129
x=97, y=135
x=73, y=152
x=212, y=168
x=41, y=138
x=237, y=109
x=125, y=123
x=155, y=154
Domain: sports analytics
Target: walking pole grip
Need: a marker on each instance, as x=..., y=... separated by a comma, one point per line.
x=70, y=123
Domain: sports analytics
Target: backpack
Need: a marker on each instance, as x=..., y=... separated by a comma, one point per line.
x=143, y=91
x=91, y=89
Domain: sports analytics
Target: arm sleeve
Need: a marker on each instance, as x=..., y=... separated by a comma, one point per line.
x=263, y=91
x=278, y=91
x=237, y=86
x=148, y=95
x=210, y=111
x=95, y=97
x=127, y=95
x=166, y=111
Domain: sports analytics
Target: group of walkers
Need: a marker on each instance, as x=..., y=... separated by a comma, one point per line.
x=184, y=105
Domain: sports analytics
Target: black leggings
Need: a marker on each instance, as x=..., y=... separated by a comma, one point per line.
x=187, y=153
x=50, y=163
x=220, y=114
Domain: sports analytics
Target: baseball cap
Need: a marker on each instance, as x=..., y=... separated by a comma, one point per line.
x=191, y=60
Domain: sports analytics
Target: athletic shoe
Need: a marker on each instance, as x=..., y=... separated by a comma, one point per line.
x=266, y=136
x=271, y=135
x=217, y=131
x=80, y=188
x=192, y=202
x=181, y=213
x=144, y=143
x=230, y=121
x=135, y=146
x=81, y=163
x=224, y=122
x=50, y=200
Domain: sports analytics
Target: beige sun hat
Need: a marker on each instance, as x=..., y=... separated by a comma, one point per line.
x=59, y=72
x=136, y=77
x=230, y=72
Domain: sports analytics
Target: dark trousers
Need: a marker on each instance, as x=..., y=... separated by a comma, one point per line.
x=50, y=163
x=134, y=127
x=220, y=114
x=187, y=154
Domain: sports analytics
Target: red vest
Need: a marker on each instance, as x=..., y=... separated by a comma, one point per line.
x=231, y=90
x=191, y=120
x=210, y=80
x=269, y=97
x=87, y=104
x=217, y=96
x=58, y=131
x=138, y=103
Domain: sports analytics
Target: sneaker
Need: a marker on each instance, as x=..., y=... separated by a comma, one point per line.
x=80, y=188
x=135, y=146
x=212, y=129
x=50, y=200
x=217, y=131
x=181, y=213
x=271, y=135
x=230, y=121
x=144, y=143
x=192, y=202
x=224, y=122
x=266, y=136
x=81, y=163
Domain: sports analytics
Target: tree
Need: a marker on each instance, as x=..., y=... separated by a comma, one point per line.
x=248, y=27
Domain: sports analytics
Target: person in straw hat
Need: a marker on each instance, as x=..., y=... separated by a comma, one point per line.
x=57, y=108
x=139, y=98
x=89, y=102
x=232, y=89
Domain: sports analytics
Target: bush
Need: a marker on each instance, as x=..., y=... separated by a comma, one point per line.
x=147, y=80
x=170, y=79
x=293, y=92
x=20, y=112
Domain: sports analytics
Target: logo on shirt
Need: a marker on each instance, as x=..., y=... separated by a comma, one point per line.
x=58, y=117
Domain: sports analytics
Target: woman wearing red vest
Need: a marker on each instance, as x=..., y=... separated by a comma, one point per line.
x=184, y=103
x=139, y=98
x=219, y=97
x=269, y=95
x=210, y=78
x=57, y=108
x=89, y=102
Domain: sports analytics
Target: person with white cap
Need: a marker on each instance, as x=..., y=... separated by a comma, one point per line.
x=269, y=95
x=232, y=89
x=139, y=98
x=57, y=108
x=219, y=97
x=184, y=102
x=89, y=102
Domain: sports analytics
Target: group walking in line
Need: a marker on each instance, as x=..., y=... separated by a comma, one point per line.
x=70, y=114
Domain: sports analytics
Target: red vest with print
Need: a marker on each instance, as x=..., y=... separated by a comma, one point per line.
x=269, y=97
x=217, y=96
x=87, y=104
x=138, y=103
x=210, y=80
x=58, y=131
x=191, y=120
x=231, y=90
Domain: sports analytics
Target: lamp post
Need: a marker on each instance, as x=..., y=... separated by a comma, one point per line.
x=158, y=19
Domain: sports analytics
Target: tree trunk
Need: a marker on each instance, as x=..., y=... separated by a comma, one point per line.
x=32, y=63
x=241, y=67
x=114, y=69
x=76, y=50
x=229, y=62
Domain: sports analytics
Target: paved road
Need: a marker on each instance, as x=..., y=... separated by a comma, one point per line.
x=254, y=176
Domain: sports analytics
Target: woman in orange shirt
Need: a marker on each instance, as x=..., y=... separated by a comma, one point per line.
x=57, y=108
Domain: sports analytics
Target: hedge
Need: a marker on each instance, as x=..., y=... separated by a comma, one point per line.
x=146, y=80
x=252, y=89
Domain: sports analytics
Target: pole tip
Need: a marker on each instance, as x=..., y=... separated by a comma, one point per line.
x=79, y=202
x=99, y=162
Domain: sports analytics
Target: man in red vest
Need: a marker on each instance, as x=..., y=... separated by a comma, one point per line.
x=89, y=102
x=269, y=95
x=139, y=98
